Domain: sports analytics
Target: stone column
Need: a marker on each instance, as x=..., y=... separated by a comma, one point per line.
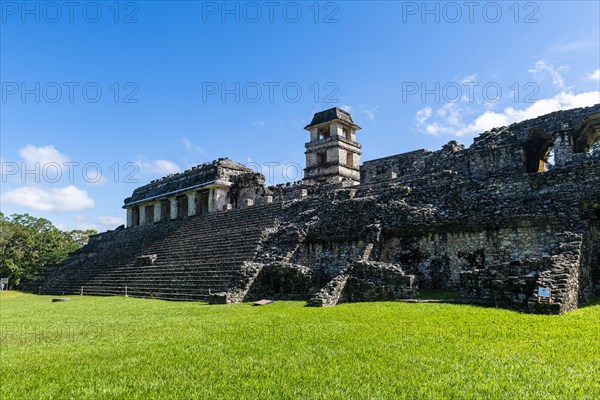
x=563, y=149
x=333, y=130
x=173, y=203
x=314, y=135
x=191, y=198
x=157, y=211
x=129, y=217
x=142, y=211
x=212, y=203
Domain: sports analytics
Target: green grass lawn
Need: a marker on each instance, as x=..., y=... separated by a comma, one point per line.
x=124, y=348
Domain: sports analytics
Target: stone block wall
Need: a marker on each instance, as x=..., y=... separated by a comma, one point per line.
x=438, y=257
x=282, y=281
x=501, y=151
x=327, y=258
x=516, y=284
x=375, y=281
x=366, y=281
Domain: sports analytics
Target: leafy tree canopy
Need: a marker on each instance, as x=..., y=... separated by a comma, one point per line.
x=28, y=245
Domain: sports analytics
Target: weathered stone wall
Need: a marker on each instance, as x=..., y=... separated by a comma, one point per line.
x=438, y=258
x=501, y=151
x=222, y=169
x=282, y=281
x=401, y=164
x=514, y=284
x=595, y=254
x=327, y=259
x=366, y=281
x=468, y=218
x=375, y=281
x=589, y=278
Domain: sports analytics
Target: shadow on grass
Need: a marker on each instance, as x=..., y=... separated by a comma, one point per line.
x=594, y=302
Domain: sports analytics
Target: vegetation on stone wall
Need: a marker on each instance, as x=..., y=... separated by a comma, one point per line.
x=29, y=244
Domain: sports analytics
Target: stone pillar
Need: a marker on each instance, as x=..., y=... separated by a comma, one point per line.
x=157, y=211
x=314, y=136
x=129, y=217
x=191, y=198
x=173, y=203
x=142, y=211
x=212, y=201
x=333, y=130
x=563, y=149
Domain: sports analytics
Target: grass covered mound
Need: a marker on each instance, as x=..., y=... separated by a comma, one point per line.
x=123, y=348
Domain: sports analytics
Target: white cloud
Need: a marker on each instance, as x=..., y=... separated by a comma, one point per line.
x=459, y=119
x=86, y=226
x=542, y=67
x=69, y=198
x=468, y=79
x=163, y=167
x=572, y=46
x=259, y=123
x=191, y=146
x=449, y=119
x=594, y=76
x=166, y=166
x=423, y=115
x=110, y=221
x=369, y=111
x=43, y=154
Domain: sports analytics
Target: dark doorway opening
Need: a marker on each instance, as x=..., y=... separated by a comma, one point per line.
x=538, y=151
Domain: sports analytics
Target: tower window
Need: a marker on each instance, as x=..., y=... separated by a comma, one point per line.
x=346, y=133
x=323, y=133
x=349, y=159
x=321, y=158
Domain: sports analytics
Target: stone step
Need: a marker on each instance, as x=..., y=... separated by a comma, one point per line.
x=196, y=254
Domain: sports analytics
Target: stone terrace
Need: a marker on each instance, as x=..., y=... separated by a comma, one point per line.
x=496, y=221
x=184, y=259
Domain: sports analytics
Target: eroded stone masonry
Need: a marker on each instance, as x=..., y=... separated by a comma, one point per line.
x=514, y=216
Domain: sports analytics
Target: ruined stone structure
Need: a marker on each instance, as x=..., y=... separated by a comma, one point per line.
x=332, y=154
x=205, y=188
x=505, y=221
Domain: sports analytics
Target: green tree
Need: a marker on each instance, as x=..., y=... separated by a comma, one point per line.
x=28, y=245
x=81, y=237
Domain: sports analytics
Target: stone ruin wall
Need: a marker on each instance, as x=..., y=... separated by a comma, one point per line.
x=454, y=214
x=458, y=218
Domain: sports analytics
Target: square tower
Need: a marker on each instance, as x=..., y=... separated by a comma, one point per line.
x=332, y=154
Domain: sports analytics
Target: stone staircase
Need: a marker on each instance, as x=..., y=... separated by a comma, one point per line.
x=187, y=259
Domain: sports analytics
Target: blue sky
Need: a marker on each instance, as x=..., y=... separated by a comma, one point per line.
x=113, y=95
